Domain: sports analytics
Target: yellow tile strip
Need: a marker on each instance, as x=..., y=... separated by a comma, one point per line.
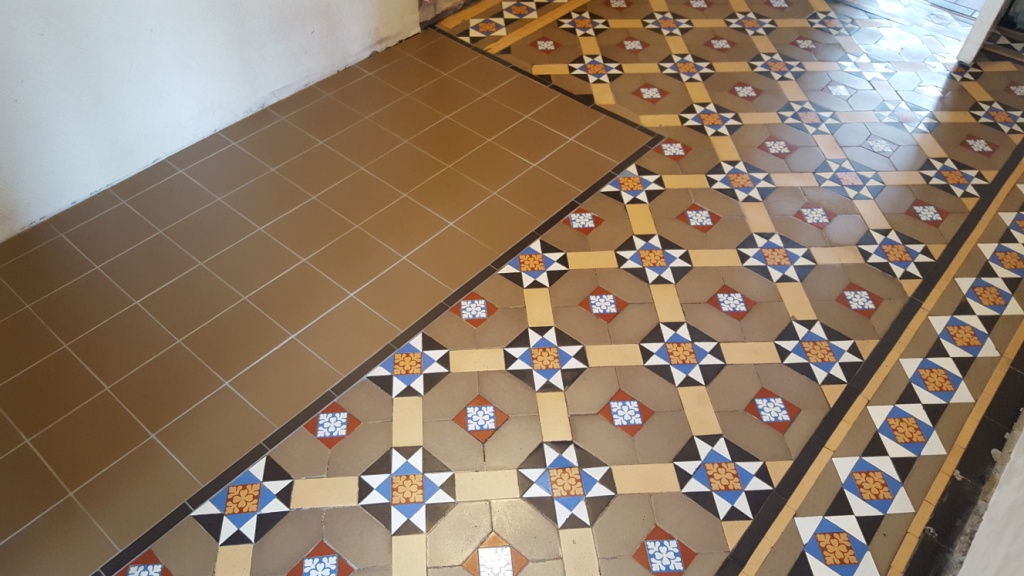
x=976, y=90
x=641, y=68
x=666, y=303
x=233, y=560
x=407, y=422
x=829, y=145
x=796, y=300
x=725, y=148
x=750, y=353
x=592, y=260
x=888, y=363
x=953, y=116
x=739, y=5
x=325, y=492
x=484, y=360
x=791, y=22
x=641, y=219
x=763, y=44
x=700, y=413
x=717, y=257
x=997, y=66
x=871, y=213
x=554, y=416
x=408, y=555
x=698, y=92
x=579, y=554
x=589, y=45
x=685, y=181
x=489, y=485
x=795, y=179
x=538, y=307
x=812, y=66
x=708, y=23
x=676, y=45
x=732, y=67
x=603, y=94
x=531, y=27
x=658, y=5
x=758, y=219
x=850, y=117
x=467, y=13
x=655, y=120
x=901, y=178
x=925, y=510
x=550, y=69
x=624, y=23
x=929, y=145
x=792, y=90
x=734, y=529
x=820, y=6
x=839, y=254
x=602, y=355
x=645, y=478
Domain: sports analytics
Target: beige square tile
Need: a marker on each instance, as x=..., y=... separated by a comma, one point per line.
x=368, y=94
x=539, y=193
x=578, y=166
x=250, y=125
x=407, y=74
x=487, y=117
x=199, y=151
x=450, y=194
x=446, y=94
x=132, y=185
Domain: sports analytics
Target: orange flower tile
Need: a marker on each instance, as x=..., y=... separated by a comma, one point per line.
x=565, y=482
x=723, y=476
x=872, y=485
x=896, y=253
x=407, y=489
x=936, y=380
x=545, y=358
x=776, y=257
x=818, y=351
x=243, y=499
x=906, y=430
x=681, y=353
x=408, y=363
x=651, y=258
x=963, y=336
x=836, y=548
x=531, y=262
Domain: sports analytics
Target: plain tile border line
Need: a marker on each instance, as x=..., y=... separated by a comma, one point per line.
x=145, y=541
x=764, y=519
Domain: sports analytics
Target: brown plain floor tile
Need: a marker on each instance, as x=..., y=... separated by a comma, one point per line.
x=85, y=210
x=368, y=94
x=491, y=165
x=577, y=165
x=297, y=101
x=137, y=492
x=29, y=489
x=445, y=55
x=298, y=297
x=45, y=269
x=210, y=230
x=250, y=125
x=148, y=266
x=407, y=117
x=317, y=169
x=266, y=198
x=166, y=387
x=325, y=118
x=346, y=336
x=612, y=138
x=483, y=74
x=497, y=224
x=89, y=439
x=9, y=302
x=487, y=117
x=226, y=170
x=278, y=143
x=200, y=150
x=81, y=305
x=307, y=375
x=538, y=193
x=403, y=294
x=190, y=301
x=530, y=140
x=27, y=240
x=234, y=340
x=524, y=94
x=171, y=200
x=10, y=438
x=446, y=94
x=359, y=196
x=354, y=259
x=121, y=344
x=407, y=74
x=448, y=141
x=364, y=142
x=404, y=225
x=132, y=185
x=450, y=194
x=251, y=263
x=25, y=341
x=110, y=234
x=453, y=257
x=308, y=228
x=215, y=433
x=83, y=547
x=566, y=116
x=405, y=167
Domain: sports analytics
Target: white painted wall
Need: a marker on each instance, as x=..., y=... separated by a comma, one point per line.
x=93, y=92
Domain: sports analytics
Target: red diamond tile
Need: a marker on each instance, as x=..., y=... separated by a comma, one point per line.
x=332, y=425
x=480, y=418
x=745, y=91
x=804, y=43
x=777, y=147
x=319, y=551
x=699, y=217
x=673, y=149
x=626, y=413
x=514, y=563
x=474, y=309
x=815, y=215
x=630, y=44
x=701, y=5
x=545, y=45
x=583, y=221
x=147, y=558
x=772, y=409
x=650, y=93
x=618, y=4
x=732, y=302
x=603, y=304
x=661, y=536
x=927, y=213
x=860, y=300
x=979, y=145
x=716, y=42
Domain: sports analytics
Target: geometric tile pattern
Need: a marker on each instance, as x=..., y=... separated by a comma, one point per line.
x=835, y=545
x=247, y=508
x=546, y=358
x=539, y=265
x=895, y=253
x=566, y=484
x=322, y=560
x=776, y=257
x=495, y=557
x=413, y=369
x=850, y=179
x=818, y=352
x=653, y=259
x=635, y=185
x=147, y=564
x=626, y=413
x=332, y=425
x=722, y=478
x=661, y=553
x=407, y=490
x=740, y=181
x=682, y=354
x=953, y=177
x=480, y=418
x=773, y=410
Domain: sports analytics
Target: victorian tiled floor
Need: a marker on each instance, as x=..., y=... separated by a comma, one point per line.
x=769, y=341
